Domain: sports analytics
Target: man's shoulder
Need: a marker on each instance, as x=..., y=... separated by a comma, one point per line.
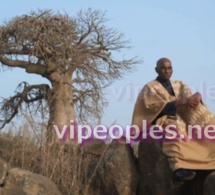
x=154, y=82
x=178, y=82
x=150, y=84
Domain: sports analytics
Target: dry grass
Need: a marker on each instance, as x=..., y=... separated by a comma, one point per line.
x=65, y=165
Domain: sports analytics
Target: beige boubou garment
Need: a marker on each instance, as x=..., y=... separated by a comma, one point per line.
x=182, y=153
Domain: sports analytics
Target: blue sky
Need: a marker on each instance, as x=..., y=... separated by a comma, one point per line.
x=180, y=30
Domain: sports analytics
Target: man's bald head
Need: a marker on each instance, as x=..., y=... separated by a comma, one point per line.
x=164, y=68
x=161, y=61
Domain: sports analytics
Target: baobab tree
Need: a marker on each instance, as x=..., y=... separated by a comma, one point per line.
x=76, y=54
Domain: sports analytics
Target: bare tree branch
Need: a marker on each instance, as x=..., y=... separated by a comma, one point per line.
x=30, y=68
x=28, y=94
x=15, y=52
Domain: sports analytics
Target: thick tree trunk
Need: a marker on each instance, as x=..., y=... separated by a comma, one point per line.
x=60, y=105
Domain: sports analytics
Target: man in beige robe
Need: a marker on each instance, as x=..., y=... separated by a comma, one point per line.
x=163, y=102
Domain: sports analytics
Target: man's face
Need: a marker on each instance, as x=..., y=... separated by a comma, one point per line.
x=164, y=70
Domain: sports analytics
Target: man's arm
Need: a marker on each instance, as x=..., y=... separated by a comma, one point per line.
x=192, y=101
x=171, y=107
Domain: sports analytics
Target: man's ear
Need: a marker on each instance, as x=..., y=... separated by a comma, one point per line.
x=156, y=69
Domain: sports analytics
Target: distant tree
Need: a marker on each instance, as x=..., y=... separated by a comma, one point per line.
x=74, y=53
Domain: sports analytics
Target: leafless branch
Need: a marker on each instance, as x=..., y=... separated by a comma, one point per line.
x=25, y=94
